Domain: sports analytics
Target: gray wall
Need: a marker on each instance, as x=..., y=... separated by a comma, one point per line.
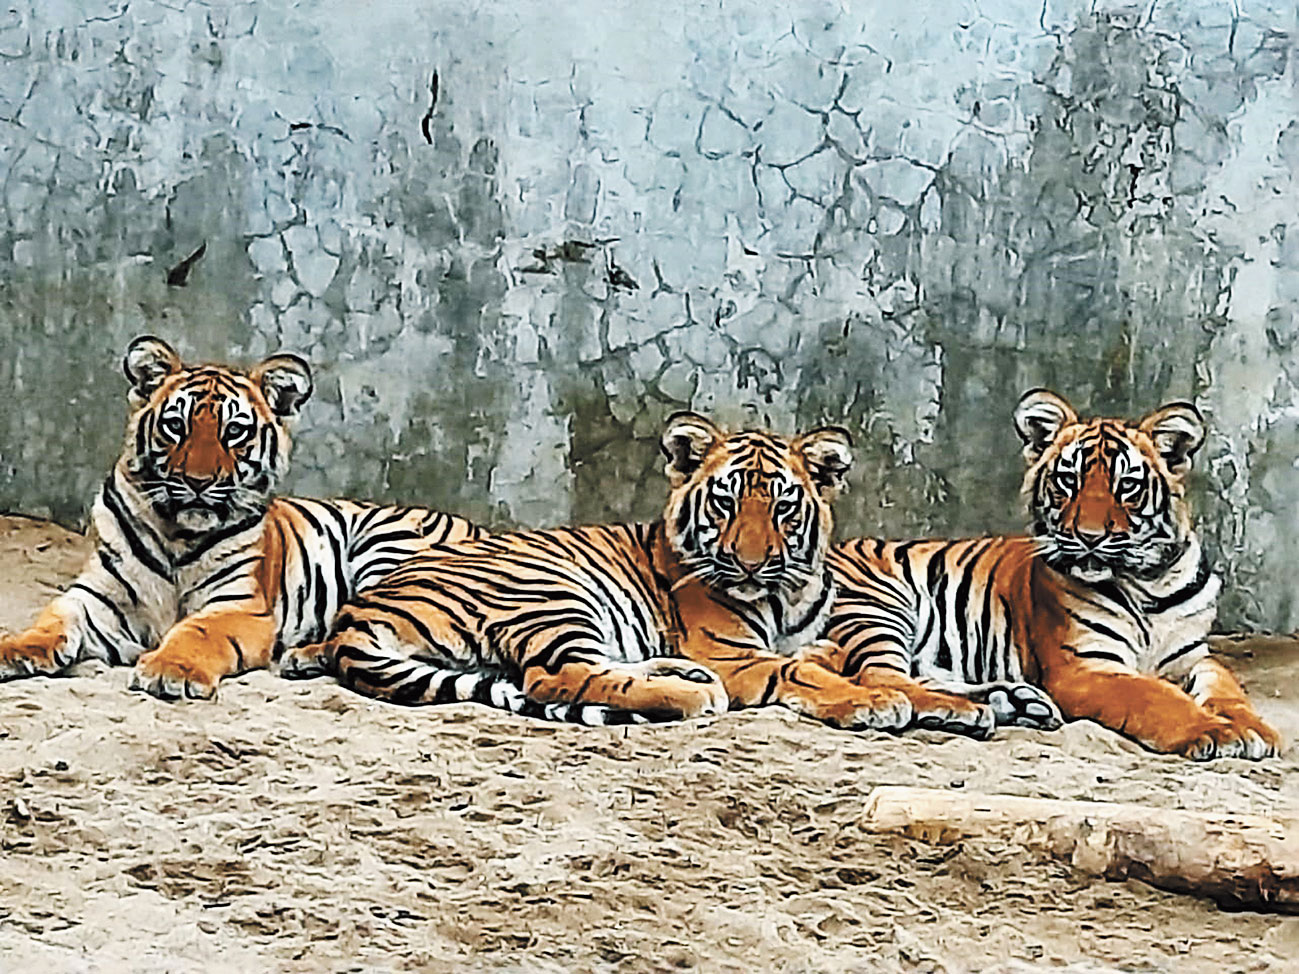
x=856, y=213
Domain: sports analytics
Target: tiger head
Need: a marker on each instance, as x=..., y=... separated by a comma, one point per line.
x=1107, y=497
x=206, y=444
x=749, y=513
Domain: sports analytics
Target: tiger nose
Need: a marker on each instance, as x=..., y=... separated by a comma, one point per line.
x=751, y=562
x=1089, y=535
x=197, y=484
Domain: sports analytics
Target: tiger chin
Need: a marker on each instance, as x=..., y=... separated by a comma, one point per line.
x=197, y=571
x=1106, y=607
x=720, y=603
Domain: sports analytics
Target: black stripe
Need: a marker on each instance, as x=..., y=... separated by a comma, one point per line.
x=417, y=688
x=108, y=558
x=938, y=587
x=1100, y=654
x=901, y=554
x=728, y=641
x=1154, y=606
x=114, y=657
x=1099, y=627
x=218, y=599
x=107, y=603
x=239, y=653
x=1179, y=653
x=224, y=574
x=1008, y=650
x=126, y=524
x=215, y=538
x=962, y=606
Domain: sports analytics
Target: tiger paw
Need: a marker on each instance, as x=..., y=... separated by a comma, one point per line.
x=1020, y=705
x=33, y=653
x=870, y=708
x=1246, y=735
x=170, y=675
x=956, y=716
x=697, y=690
x=304, y=662
x=1221, y=737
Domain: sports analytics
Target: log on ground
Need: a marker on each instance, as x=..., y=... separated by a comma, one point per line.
x=1239, y=861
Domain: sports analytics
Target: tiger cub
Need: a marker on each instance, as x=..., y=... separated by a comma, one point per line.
x=1106, y=606
x=714, y=605
x=197, y=573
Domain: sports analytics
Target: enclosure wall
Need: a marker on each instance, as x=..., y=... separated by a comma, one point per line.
x=896, y=217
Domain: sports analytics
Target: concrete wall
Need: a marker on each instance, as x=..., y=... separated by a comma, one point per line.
x=773, y=213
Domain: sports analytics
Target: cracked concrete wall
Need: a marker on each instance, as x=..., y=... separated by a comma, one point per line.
x=784, y=214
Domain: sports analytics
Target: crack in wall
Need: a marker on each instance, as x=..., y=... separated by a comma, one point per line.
x=832, y=215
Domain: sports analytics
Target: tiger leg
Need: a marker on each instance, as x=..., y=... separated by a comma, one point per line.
x=755, y=678
x=662, y=688
x=575, y=652
x=405, y=650
x=382, y=656
x=99, y=616
x=68, y=630
x=1215, y=689
x=1015, y=704
x=201, y=649
x=932, y=709
x=1150, y=710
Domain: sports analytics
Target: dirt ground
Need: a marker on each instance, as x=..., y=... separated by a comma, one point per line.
x=297, y=827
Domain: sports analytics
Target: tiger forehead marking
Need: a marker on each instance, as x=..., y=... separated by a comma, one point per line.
x=206, y=420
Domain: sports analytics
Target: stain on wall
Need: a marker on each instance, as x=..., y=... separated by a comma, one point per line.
x=833, y=212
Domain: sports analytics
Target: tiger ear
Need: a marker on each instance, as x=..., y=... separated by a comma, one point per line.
x=147, y=363
x=286, y=383
x=1177, y=430
x=685, y=443
x=827, y=451
x=1039, y=418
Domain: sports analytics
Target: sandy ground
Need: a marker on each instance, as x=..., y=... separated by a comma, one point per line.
x=297, y=827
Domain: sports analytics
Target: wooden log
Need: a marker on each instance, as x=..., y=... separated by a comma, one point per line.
x=1239, y=861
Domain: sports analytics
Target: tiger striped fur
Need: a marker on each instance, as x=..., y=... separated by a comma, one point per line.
x=714, y=605
x=196, y=572
x=1106, y=607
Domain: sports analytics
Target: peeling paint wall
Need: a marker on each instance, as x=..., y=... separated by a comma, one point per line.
x=832, y=212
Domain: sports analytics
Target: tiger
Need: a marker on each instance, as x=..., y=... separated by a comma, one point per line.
x=1106, y=606
x=715, y=605
x=197, y=572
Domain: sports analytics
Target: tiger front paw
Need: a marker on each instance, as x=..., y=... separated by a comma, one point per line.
x=955, y=715
x=305, y=662
x=1246, y=735
x=33, y=653
x=695, y=689
x=172, y=675
x=1241, y=735
x=870, y=708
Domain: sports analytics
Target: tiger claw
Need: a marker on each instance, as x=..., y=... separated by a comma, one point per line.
x=978, y=722
x=872, y=709
x=171, y=680
x=27, y=655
